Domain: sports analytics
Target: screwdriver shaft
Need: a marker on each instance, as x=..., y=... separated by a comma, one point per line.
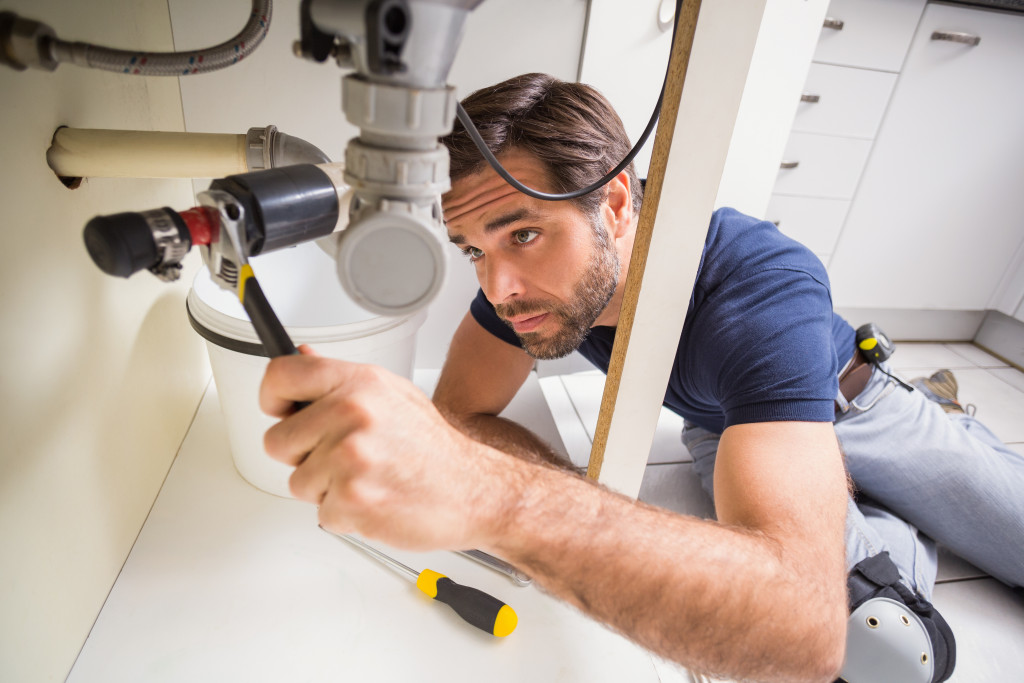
x=409, y=573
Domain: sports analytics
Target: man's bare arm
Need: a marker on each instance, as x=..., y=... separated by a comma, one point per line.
x=480, y=377
x=759, y=594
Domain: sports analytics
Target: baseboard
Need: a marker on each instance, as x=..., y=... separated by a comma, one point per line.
x=997, y=333
x=918, y=325
x=1002, y=336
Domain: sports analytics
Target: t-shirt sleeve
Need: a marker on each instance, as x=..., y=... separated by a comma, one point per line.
x=776, y=358
x=483, y=313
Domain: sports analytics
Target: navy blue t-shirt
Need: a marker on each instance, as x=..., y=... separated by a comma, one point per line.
x=760, y=341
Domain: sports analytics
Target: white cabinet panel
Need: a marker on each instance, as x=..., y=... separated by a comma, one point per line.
x=875, y=33
x=826, y=167
x=625, y=57
x=812, y=221
x=850, y=102
x=939, y=213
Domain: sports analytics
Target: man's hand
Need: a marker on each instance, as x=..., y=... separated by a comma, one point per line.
x=376, y=456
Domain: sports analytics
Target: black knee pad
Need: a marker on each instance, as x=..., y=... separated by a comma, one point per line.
x=877, y=579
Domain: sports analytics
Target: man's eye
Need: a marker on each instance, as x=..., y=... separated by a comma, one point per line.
x=524, y=236
x=473, y=253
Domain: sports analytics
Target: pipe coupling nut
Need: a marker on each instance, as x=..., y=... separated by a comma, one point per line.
x=25, y=43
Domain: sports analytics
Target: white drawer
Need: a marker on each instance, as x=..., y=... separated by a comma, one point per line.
x=876, y=34
x=826, y=166
x=850, y=102
x=812, y=221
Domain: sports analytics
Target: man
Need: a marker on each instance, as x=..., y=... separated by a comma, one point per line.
x=760, y=593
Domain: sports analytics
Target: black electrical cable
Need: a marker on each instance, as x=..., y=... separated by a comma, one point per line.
x=474, y=134
x=892, y=376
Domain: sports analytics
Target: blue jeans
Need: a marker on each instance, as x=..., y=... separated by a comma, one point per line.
x=921, y=475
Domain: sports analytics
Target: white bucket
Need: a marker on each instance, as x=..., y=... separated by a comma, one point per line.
x=302, y=286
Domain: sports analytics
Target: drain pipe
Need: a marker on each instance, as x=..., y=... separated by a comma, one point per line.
x=90, y=153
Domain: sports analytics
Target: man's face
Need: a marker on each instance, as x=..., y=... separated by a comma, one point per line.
x=546, y=268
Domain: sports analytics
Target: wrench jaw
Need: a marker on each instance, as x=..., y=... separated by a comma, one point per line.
x=225, y=255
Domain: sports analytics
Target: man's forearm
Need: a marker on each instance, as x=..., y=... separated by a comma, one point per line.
x=722, y=600
x=510, y=437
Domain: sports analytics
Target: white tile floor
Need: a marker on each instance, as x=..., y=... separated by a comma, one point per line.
x=986, y=616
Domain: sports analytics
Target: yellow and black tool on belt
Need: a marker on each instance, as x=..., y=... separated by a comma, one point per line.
x=484, y=611
x=873, y=343
x=877, y=348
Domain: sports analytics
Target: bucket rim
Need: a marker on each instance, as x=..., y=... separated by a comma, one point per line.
x=236, y=334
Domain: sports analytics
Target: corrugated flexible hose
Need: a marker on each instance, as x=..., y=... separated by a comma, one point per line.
x=170, y=63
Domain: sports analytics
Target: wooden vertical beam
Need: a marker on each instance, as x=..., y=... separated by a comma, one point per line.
x=711, y=56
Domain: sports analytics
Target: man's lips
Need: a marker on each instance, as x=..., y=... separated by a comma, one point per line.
x=527, y=323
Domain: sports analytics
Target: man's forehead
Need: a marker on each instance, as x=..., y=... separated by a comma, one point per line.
x=471, y=195
x=484, y=186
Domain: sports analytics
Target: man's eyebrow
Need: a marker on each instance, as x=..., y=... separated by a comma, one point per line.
x=508, y=219
x=499, y=223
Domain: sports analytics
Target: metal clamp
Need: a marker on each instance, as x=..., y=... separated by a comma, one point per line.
x=957, y=37
x=169, y=244
x=833, y=23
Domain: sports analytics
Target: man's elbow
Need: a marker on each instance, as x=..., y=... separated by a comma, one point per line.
x=829, y=636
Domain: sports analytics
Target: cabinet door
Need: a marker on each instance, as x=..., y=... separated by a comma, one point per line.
x=821, y=166
x=842, y=101
x=872, y=34
x=939, y=211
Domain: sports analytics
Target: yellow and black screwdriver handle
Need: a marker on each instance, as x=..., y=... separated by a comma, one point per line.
x=484, y=611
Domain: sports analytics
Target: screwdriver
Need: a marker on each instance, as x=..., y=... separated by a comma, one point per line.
x=484, y=611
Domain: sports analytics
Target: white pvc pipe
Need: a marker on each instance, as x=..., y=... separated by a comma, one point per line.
x=90, y=153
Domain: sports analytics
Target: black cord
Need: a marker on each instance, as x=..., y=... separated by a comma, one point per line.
x=892, y=376
x=529, y=191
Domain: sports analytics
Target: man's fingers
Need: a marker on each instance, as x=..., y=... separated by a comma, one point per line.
x=292, y=439
x=307, y=350
x=311, y=480
x=302, y=377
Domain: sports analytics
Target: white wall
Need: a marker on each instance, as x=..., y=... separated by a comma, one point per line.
x=100, y=376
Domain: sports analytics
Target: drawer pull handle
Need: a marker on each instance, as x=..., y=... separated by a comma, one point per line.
x=957, y=37
x=834, y=24
x=776, y=223
x=789, y=164
x=807, y=97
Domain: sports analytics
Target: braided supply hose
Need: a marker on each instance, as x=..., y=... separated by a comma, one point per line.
x=169, y=63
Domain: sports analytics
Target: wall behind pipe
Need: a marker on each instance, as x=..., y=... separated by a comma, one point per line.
x=101, y=376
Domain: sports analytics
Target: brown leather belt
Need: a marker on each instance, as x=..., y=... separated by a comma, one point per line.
x=854, y=376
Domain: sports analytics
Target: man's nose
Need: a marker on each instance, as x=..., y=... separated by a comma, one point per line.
x=500, y=280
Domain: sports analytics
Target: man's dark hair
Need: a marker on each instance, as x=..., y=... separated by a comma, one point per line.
x=570, y=127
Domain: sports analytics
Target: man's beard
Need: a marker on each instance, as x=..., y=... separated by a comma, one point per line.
x=590, y=296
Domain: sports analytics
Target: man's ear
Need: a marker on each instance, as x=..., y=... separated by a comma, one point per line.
x=618, y=205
